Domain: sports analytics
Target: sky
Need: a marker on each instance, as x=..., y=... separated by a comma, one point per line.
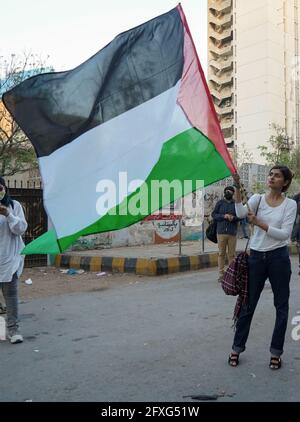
x=71, y=31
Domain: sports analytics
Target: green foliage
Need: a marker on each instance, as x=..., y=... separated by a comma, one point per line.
x=242, y=156
x=280, y=150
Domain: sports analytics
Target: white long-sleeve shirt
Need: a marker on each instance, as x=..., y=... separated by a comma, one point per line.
x=280, y=220
x=11, y=229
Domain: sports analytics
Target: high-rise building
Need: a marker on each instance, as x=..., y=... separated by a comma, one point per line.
x=253, y=69
x=220, y=63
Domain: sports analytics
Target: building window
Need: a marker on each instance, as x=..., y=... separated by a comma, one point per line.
x=235, y=117
x=235, y=100
x=235, y=133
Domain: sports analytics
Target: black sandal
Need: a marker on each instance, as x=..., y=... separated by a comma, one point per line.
x=275, y=362
x=233, y=359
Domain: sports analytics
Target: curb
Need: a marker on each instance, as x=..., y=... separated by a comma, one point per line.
x=143, y=266
x=139, y=266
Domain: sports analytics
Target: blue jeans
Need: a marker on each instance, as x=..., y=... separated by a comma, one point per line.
x=10, y=294
x=244, y=225
x=276, y=266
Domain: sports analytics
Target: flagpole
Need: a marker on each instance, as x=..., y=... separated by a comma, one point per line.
x=203, y=235
x=180, y=226
x=180, y=235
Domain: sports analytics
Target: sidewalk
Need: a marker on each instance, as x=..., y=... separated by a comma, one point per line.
x=150, y=260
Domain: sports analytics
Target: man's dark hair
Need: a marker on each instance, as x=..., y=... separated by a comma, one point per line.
x=229, y=188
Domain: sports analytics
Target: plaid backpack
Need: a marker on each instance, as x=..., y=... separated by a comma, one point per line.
x=236, y=275
x=235, y=282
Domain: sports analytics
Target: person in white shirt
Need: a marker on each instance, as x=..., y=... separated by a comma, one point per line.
x=269, y=258
x=12, y=226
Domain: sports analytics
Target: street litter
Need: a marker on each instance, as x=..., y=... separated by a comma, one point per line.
x=208, y=397
x=252, y=374
x=100, y=274
x=204, y=397
x=72, y=271
x=36, y=350
x=28, y=281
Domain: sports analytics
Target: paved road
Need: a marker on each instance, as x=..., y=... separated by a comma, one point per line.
x=160, y=339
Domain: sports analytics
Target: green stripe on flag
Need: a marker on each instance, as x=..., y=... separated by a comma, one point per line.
x=190, y=153
x=44, y=244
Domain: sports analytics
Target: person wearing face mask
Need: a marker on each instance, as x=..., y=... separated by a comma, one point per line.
x=12, y=226
x=227, y=223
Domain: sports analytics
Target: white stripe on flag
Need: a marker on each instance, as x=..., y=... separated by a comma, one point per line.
x=129, y=143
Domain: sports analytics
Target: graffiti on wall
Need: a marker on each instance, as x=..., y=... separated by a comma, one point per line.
x=166, y=229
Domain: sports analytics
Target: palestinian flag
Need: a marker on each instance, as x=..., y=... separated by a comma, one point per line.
x=139, y=107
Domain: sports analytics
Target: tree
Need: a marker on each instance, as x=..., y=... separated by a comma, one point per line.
x=16, y=152
x=242, y=156
x=281, y=151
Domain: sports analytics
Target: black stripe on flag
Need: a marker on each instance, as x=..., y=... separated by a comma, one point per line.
x=55, y=108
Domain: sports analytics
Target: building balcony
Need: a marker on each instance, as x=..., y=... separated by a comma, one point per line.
x=217, y=58
x=225, y=93
x=225, y=50
x=223, y=102
x=221, y=65
x=221, y=79
x=224, y=20
x=220, y=6
x=224, y=110
x=226, y=124
x=224, y=36
x=227, y=132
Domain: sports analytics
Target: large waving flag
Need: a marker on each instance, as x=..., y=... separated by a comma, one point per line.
x=140, y=107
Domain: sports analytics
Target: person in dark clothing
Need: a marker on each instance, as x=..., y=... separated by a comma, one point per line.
x=295, y=237
x=227, y=223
